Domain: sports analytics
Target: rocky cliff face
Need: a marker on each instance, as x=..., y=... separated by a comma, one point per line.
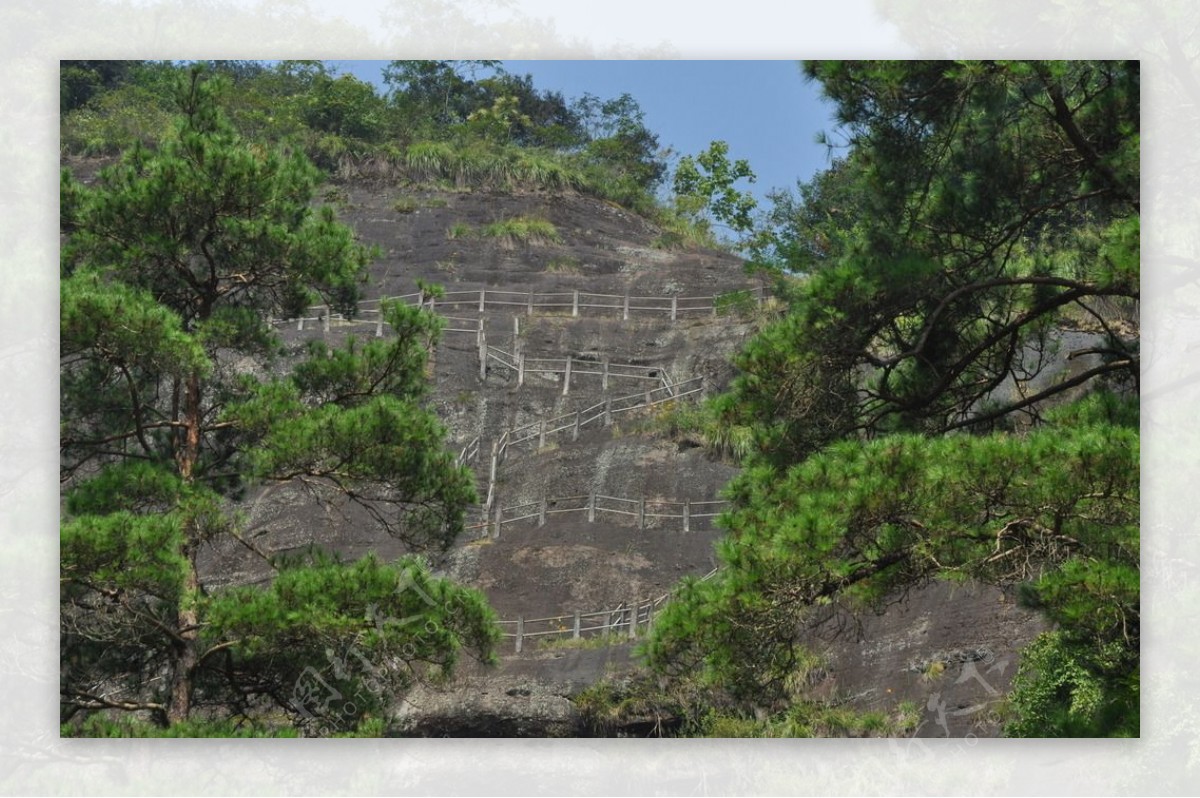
x=581, y=520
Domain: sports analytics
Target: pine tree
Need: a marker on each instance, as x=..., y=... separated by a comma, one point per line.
x=172, y=264
x=980, y=208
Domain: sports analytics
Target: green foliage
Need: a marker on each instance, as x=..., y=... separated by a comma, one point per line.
x=682, y=232
x=1063, y=689
x=115, y=121
x=524, y=230
x=369, y=631
x=741, y=303
x=519, y=230
x=568, y=265
x=98, y=726
x=466, y=123
x=683, y=708
x=704, y=187
x=405, y=205
x=436, y=94
x=121, y=551
x=459, y=230
x=497, y=122
x=621, y=157
x=977, y=205
x=344, y=106
x=487, y=164
x=205, y=218
x=80, y=81
x=804, y=719
x=856, y=521
x=171, y=264
x=582, y=643
x=703, y=423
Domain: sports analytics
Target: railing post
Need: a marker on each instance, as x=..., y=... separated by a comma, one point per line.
x=520, y=369
x=592, y=507
x=687, y=516
x=520, y=631
x=648, y=398
x=633, y=610
x=325, y=319
x=674, y=307
x=604, y=378
x=567, y=378
x=642, y=514
x=299, y=324
x=542, y=513
x=492, y=473
x=379, y=325
x=421, y=299
x=499, y=522
x=481, y=305
x=625, y=315
x=576, y=629
x=575, y=433
x=529, y=307
x=432, y=303
x=482, y=356
x=575, y=303
x=516, y=330
x=542, y=435
x=608, y=411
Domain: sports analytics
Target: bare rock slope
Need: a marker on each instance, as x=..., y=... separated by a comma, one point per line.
x=584, y=523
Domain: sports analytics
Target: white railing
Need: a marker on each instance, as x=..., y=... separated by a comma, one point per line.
x=599, y=414
x=622, y=622
x=575, y=303
x=596, y=505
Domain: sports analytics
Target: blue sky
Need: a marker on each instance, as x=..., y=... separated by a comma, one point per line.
x=765, y=110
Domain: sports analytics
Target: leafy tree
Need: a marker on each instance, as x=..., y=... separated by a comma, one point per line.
x=172, y=264
x=275, y=104
x=704, y=186
x=903, y=425
x=345, y=106
x=239, y=71
x=805, y=231
x=434, y=95
x=117, y=104
x=80, y=81
x=498, y=122
x=545, y=118
x=620, y=145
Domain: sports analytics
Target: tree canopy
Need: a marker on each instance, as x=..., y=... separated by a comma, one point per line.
x=173, y=262
x=910, y=413
x=478, y=116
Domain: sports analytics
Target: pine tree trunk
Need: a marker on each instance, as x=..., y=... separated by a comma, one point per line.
x=187, y=647
x=187, y=653
x=189, y=451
